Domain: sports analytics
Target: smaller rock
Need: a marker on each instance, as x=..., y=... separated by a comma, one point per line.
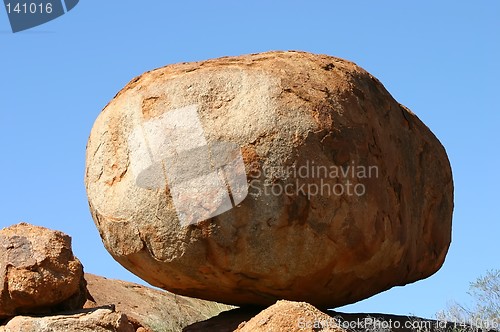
x=282, y=316
x=38, y=272
x=96, y=320
x=290, y=316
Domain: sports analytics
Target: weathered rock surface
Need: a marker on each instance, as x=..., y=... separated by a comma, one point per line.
x=38, y=272
x=98, y=320
x=371, y=208
x=150, y=308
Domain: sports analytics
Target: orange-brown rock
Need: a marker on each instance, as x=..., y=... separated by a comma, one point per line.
x=349, y=193
x=38, y=272
x=152, y=309
x=291, y=317
x=281, y=316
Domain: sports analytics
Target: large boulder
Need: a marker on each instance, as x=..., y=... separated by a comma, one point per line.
x=38, y=272
x=282, y=175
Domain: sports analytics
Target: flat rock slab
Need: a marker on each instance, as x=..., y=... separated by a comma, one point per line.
x=98, y=320
x=153, y=309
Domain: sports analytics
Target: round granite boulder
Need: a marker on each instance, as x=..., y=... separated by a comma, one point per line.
x=282, y=175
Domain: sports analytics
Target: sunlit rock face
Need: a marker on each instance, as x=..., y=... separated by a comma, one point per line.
x=281, y=175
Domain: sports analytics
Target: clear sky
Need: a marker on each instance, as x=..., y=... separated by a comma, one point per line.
x=439, y=58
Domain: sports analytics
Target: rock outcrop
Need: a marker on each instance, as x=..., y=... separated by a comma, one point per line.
x=282, y=175
x=281, y=316
x=152, y=309
x=97, y=320
x=38, y=272
x=292, y=317
x=296, y=316
x=45, y=289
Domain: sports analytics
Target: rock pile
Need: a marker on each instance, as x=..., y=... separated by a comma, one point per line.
x=282, y=175
x=118, y=306
x=44, y=289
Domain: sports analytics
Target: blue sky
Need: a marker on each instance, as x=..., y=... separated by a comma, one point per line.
x=441, y=59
